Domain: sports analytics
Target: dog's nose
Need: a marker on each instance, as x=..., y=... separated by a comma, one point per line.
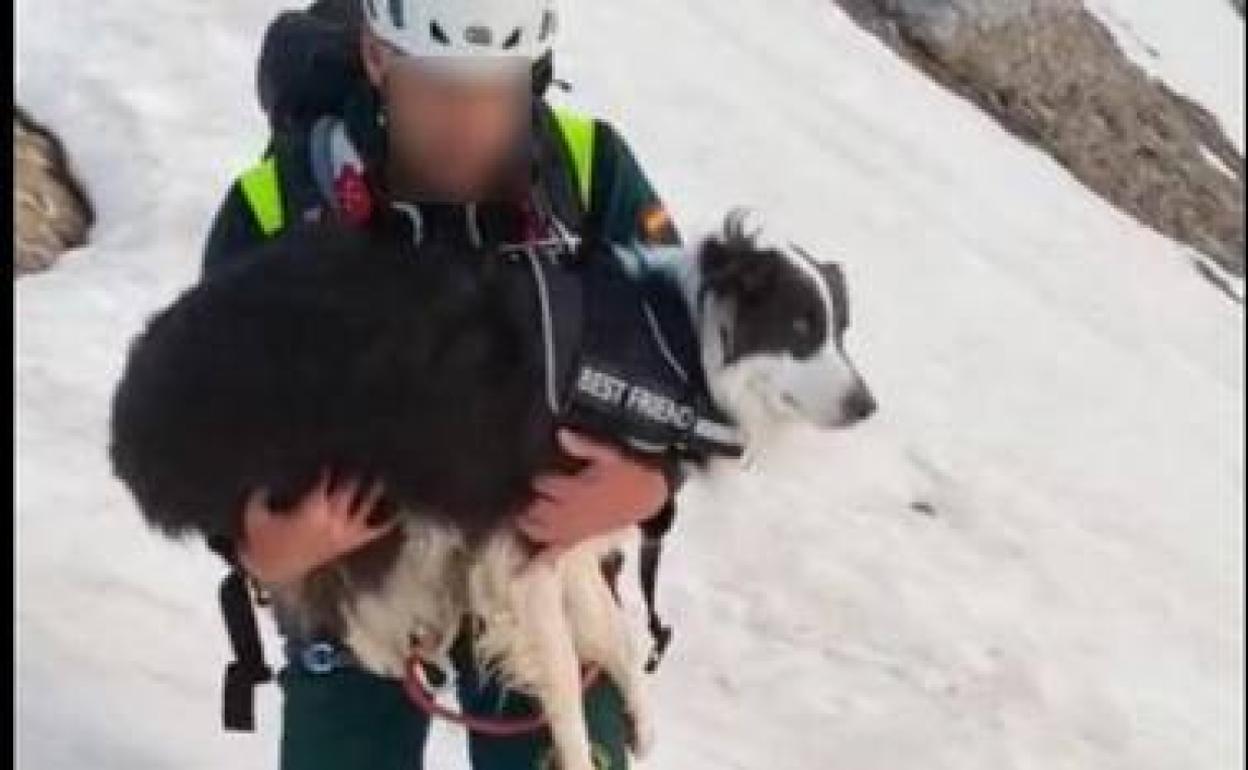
x=858, y=405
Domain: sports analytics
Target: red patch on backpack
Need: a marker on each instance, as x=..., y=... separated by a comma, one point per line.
x=355, y=201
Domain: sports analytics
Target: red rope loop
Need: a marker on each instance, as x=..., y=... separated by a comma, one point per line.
x=419, y=694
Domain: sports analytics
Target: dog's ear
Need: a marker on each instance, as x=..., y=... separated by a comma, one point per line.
x=834, y=277
x=735, y=266
x=724, y=268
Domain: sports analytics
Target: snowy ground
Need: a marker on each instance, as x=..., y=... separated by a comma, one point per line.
x=1058, y=385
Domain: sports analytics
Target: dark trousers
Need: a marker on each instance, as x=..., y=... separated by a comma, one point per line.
x=350, y=719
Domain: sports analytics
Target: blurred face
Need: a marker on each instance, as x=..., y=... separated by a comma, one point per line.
x=450, y=133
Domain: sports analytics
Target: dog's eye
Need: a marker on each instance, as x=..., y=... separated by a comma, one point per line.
x=803, y=326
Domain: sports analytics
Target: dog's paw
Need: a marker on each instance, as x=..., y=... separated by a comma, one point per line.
x=640, y=733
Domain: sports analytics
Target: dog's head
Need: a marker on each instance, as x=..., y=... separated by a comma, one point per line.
x=773, y=324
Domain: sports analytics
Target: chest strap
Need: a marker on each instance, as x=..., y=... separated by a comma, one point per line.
x=660, y=411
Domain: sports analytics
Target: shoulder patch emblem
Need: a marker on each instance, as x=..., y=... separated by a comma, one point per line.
x=655, y=225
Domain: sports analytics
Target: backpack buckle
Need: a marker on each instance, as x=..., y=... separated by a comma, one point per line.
x=319, y=658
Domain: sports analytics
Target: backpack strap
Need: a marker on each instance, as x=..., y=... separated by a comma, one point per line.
x=651, y=552
x=579, y=132
x=262, y=190
x=248, y=668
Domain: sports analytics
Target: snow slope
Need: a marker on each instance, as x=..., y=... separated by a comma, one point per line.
x=1058, y=386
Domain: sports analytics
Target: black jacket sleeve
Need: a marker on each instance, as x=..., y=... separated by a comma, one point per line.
x=234, y=233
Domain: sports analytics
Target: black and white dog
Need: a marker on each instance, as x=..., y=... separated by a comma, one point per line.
x=333, y=349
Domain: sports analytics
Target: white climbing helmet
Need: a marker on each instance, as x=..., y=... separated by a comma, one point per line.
x=474, y=31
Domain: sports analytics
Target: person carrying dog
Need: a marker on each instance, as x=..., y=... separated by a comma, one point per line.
x=427, y=116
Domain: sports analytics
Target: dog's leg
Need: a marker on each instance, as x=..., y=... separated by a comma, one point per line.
x=416, y=608
x=604, y=637
x=537, y=595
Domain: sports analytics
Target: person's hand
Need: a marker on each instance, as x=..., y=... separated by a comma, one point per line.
x=327, y=523
x=611, y=492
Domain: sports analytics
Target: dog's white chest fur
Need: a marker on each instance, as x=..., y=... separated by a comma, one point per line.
x=419, y=607
x=535, y=622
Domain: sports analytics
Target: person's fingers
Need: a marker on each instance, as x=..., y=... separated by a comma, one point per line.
x=314, y=504
x=544, y=528
x=535, y=524
x=371, y=532
x=345, y=535
x=342, y=498
x=539, y=514
x=582, y=446
x=324, y=483
x=366, y=502
x=555, y=487
x=319, y=492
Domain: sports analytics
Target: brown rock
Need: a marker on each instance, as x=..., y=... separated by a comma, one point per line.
x=51, y=211
x=1051, y=73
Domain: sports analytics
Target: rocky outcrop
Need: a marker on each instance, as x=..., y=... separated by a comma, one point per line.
x=1050, y=72
x=51, y=210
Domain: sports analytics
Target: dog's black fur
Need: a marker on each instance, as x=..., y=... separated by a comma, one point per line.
x=335, y=350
